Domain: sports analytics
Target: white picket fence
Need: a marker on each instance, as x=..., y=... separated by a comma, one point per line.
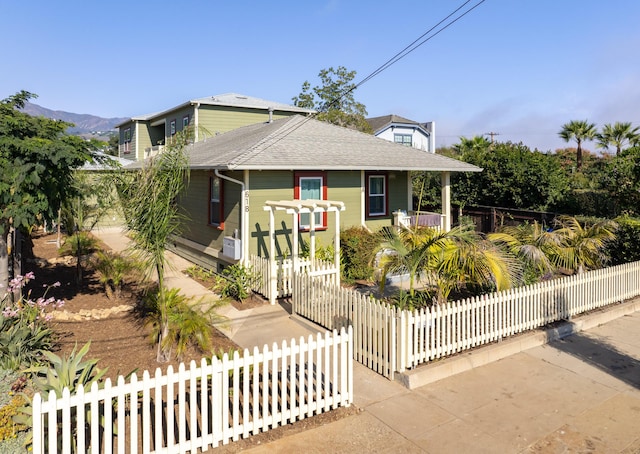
x=197, y=408
x=389, y=340
x=335, y=307
x=261, y=267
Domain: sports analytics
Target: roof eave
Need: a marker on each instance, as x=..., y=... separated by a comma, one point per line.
x=330, y=167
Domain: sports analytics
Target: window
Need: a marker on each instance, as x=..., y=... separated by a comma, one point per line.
x=311, y=185
x=185, y=121
x=216, y=209
x=172, y=127
x=377, y=195
x=126, y=147
x=403, y=139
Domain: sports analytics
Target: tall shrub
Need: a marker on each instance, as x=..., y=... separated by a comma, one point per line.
x=625, y=247
x=357, y=251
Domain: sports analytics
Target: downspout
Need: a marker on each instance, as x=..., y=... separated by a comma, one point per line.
x=195, y=122
x=242, y=210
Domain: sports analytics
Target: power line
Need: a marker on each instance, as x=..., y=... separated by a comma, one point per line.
x=413, y=46
x=393, y=60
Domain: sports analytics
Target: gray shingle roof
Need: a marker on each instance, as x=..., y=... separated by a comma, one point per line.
x=227, y=100
x=238, y=100
x=303, y=143
x=379, y=123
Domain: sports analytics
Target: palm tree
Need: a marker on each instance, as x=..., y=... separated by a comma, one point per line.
x=532, y=243
x=578, y=131
x=411, y=251
x=476, y=143
x=148, y=199
x=583, y=244
x=618, y=135
x=471, y=261
x=446, y=260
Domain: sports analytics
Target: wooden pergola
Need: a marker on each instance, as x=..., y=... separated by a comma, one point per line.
x=295, y=208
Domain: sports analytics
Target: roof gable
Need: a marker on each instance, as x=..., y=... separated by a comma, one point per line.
x=379, y=124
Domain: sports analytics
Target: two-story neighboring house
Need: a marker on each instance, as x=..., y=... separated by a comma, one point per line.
x=395, y=128
x=144, y=135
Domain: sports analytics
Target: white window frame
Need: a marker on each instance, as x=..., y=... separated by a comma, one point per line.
x=402, y=140
x=382, y=195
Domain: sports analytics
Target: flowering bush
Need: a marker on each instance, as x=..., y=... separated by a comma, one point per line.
x=24, y=333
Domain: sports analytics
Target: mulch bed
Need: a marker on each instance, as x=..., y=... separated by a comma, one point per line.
x=121, y=341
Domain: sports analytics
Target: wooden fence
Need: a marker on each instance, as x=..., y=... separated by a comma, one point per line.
x=197, y=408
x=389, y=340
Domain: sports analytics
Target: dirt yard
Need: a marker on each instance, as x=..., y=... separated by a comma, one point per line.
x=120, y=341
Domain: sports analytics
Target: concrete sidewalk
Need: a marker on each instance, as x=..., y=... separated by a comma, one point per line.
x=580, y=394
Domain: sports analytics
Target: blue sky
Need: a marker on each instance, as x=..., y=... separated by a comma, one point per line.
x=520, y=68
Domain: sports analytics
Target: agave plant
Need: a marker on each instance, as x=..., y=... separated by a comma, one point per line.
x=61, y=372
x=66, y=372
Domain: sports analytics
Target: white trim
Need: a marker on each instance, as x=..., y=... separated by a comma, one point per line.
x=363, y=199
x=383, y=195
x=446, y=201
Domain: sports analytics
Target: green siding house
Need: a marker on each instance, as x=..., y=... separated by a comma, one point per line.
x=237, y=176
x=143, y=136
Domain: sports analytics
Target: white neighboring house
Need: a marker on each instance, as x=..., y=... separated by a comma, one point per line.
x=395, y=128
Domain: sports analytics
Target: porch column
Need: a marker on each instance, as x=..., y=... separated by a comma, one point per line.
x=446, y=201
x=273, y=268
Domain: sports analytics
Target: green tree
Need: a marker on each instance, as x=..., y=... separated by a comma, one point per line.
x=37, y=161
x=152, y=216
x=621, y=179
x=618, y=135
x=112, y=145
x=513, y=176
x=578, y=130
x=334, y=99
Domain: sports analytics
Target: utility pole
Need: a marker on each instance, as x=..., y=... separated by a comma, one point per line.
x=491, y=134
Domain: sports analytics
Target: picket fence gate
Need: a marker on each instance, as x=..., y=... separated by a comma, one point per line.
x=261, y=268
x=389, y=340
x=200, y=407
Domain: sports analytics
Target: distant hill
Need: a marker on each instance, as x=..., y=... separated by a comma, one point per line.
x=85, y=125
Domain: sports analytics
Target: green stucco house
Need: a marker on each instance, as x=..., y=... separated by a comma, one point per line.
x=143, y=136
x=247, y=182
